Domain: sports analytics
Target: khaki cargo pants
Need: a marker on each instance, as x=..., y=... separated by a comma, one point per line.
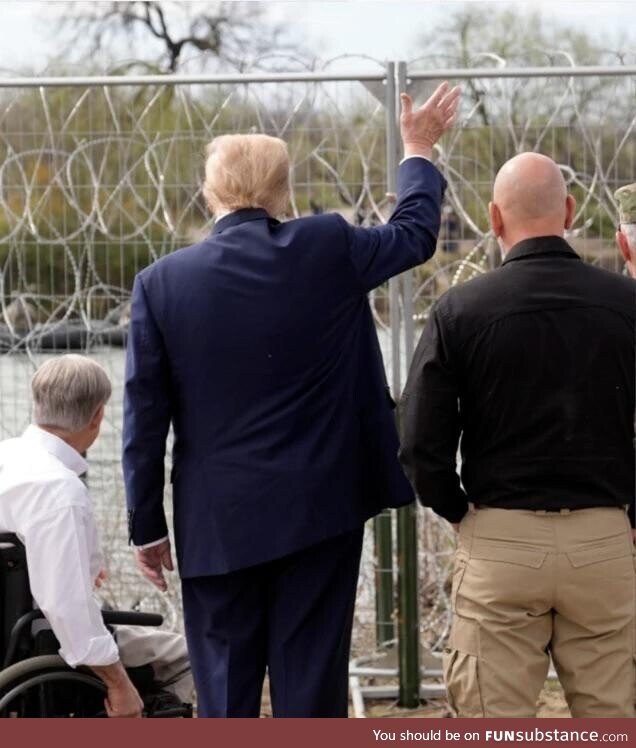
x=528, y=585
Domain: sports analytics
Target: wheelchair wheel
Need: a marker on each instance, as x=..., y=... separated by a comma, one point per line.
x=47, y=687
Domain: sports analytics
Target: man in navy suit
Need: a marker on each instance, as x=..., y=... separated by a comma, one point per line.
x=259, y=347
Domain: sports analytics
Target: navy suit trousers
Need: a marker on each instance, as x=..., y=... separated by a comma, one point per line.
x=291, y=618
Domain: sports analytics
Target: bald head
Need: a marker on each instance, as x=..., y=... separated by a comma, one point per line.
x=529, y=199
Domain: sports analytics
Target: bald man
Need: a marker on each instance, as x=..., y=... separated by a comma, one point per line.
x=532, y=365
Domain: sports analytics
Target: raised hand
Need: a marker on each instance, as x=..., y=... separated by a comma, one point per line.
x=422, y=128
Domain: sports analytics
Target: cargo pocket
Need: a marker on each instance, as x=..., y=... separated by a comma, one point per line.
x=460, y=663
x=459, y=570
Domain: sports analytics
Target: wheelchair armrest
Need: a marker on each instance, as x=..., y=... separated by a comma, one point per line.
x=17, y=632
x=131, y=618
x=111, y=618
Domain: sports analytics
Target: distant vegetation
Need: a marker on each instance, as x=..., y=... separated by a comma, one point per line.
x=94, y=184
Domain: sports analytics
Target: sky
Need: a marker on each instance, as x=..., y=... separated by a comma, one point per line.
x=383, y=29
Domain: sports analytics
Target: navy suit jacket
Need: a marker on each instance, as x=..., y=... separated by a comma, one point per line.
x=259, y=346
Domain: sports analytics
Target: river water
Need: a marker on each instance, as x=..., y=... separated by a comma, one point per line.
x=125, y=588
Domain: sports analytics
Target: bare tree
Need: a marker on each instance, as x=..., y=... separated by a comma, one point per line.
x=487, y=35
x=227, y=31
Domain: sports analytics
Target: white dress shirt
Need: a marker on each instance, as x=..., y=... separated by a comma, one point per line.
x=44, y=502
x=414, y=155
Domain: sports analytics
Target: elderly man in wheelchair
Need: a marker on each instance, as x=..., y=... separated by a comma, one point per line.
x=60, y=654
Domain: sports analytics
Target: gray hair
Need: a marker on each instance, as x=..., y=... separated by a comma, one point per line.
x=629, y=229
x=68, y=391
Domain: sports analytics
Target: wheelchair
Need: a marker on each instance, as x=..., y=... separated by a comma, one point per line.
x=35, y=681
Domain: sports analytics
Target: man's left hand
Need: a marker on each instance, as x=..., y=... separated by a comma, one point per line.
x=152, y=561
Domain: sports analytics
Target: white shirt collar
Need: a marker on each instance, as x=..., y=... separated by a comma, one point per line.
x=57, y=447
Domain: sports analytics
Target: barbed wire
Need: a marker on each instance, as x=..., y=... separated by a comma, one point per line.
x=96, y=183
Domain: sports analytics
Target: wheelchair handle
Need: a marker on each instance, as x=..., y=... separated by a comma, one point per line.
x=10, y=539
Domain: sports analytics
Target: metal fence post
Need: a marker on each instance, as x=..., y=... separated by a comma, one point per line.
x=408, y=616
x=383, y=524
x=384, y=626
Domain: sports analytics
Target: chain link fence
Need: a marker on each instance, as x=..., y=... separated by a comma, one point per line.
x=98, y=181
x=100, y=177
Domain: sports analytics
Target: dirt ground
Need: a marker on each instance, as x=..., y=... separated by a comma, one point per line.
x=551, y=701
x=551, y=704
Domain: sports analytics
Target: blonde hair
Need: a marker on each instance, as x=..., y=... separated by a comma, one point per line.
x=246, y=171
x=68, y=391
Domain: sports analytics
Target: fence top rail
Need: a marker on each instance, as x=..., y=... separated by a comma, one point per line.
x=530, y=72
x=314, y=77
x=174, y=80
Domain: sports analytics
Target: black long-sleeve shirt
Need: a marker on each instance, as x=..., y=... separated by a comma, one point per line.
x=532, y=365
